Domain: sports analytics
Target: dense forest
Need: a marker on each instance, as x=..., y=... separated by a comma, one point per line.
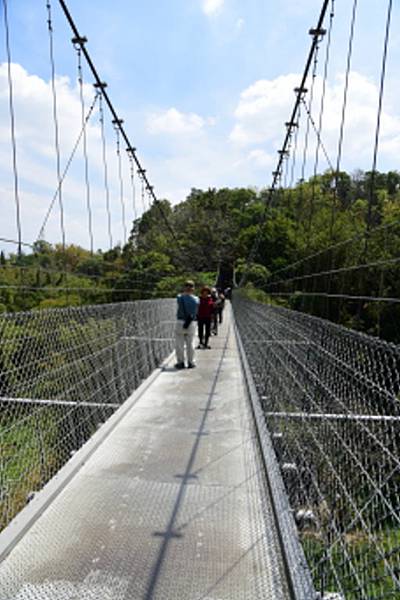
x=328, y=246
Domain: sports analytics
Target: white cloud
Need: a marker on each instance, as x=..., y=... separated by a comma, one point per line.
x=173, y=122
x=212, y=7
x=262, y=110
x=266, y=105
x=260, y=158
x=36, y=162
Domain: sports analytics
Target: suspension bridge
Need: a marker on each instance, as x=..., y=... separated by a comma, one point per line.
x=272, y=470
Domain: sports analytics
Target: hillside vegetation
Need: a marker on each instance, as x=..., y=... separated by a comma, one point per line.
x=216, y=229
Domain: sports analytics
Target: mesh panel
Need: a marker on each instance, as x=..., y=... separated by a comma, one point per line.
x=64, y=372
x=330, y=401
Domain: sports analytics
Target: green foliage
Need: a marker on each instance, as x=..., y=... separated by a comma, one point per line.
x=28, y=458
x=213, y=231
x=364, y=553
x=257, y=295
x=252, y=272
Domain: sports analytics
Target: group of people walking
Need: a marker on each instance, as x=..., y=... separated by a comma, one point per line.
x=206, y=311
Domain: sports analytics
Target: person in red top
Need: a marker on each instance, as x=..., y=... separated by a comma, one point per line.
x=204, y=315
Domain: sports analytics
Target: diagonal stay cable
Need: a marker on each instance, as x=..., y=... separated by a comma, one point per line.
x=318, y=135
x=67, y=166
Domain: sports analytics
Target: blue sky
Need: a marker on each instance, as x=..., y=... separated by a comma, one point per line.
x=204, y=88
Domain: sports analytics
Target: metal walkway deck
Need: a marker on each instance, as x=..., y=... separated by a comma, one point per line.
x=171, y=505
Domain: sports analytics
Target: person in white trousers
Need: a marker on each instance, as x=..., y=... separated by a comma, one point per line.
x=185, y=329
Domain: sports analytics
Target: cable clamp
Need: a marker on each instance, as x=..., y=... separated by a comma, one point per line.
x=317, y=32
x=79, y=42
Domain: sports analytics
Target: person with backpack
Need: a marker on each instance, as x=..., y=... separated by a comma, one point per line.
x=185, y=329
x=206, y=311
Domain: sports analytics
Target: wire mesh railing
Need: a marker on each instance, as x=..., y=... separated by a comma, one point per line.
x=330, y=398
x=63, y=372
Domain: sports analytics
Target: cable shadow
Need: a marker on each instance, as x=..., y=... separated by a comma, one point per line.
x=233, y=566
x=171, y=532
x=215, y=503
x=220, y=457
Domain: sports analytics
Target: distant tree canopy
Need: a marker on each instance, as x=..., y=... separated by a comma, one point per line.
x=211, y=229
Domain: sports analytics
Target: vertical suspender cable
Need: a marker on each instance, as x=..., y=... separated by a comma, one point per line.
x=310, y=102
x=285, y=179
x=121, y=181
x=344, y=105
x=85, y=152
x=105, y=169
x=142, y=193
x=56, y=127
x=309, y=110
x=378, y=120
x=346, y=86
x=322, y=104
x=133, y=185
x=12, y=126
x=296, y=139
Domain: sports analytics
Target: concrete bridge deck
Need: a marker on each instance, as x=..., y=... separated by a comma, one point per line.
x=171, y=505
